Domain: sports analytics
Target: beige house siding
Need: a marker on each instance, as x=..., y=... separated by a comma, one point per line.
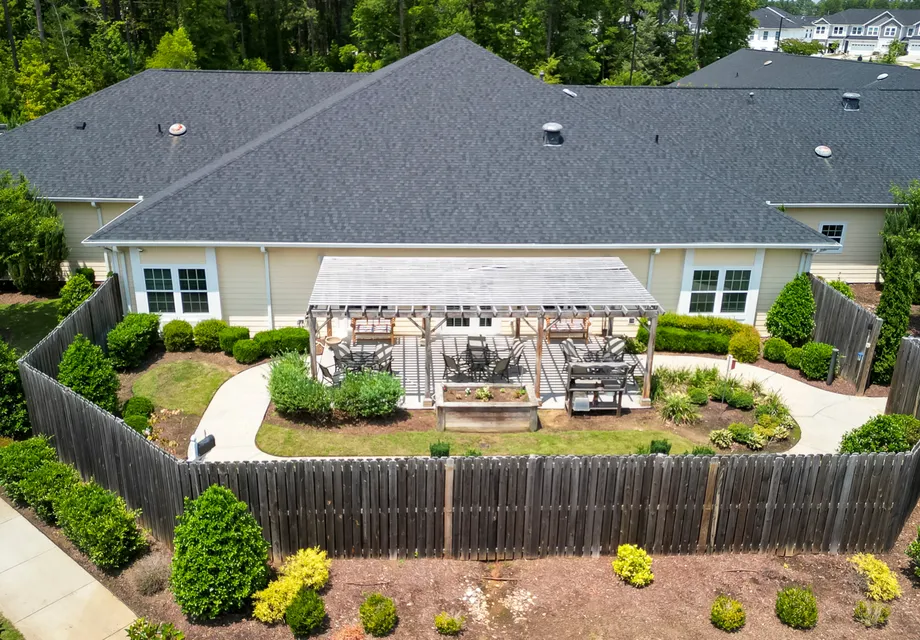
x=293, y=272
x=779, y=267
x=242, y=287
x=81, y=220
x=173, y=256
x=858, y=261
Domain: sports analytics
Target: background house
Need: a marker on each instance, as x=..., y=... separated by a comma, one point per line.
x=774, y=25
x=868, y=31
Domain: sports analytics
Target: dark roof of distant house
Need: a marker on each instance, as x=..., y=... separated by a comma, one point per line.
x=852, y=16
x=445, y=147
x=121, y=154
x=745, y=68
x=767, y=142
x=769, y=18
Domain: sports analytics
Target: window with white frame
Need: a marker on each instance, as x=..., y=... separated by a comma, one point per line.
x=808, y=34
x=839, y=31
x=820, y=31
x=172, y=289
x=721, y=291
x=457, y=323
x=764, y=35
x=856, y=31
x=910, y=31
x=890, y=32
x=835, y=231
x=872, y=31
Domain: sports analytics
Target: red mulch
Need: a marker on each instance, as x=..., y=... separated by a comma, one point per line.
x=565, y=597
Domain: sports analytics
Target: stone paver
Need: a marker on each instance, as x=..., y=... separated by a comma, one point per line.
x=47, y=595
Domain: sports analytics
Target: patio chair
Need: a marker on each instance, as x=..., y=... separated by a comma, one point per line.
x=517, y=350
x=452, y=367
x=500, y=369
x=614, y=350
x=569, y=352
x=334, y=377
x=383, y=358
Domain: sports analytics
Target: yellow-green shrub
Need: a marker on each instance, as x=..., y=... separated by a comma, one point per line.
x=306, y=568
x=633, y=565
x=881, y=583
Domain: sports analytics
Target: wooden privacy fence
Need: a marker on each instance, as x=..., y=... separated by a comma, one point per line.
x=904, y=395
x=493, y=507
x=849, y=327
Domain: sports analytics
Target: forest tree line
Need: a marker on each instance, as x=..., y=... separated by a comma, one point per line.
x=57, y=51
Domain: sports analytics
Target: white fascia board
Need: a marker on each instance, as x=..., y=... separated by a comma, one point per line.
x=82, y=199
x=837, y=205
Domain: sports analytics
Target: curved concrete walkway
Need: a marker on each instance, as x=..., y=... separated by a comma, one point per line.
x=235, y=413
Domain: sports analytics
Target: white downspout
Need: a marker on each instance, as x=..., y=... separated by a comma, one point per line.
x=121, y=269
x=651, y=268
x=268, y=288
x=105, y=254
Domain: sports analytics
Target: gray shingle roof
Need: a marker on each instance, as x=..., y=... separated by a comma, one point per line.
x=853, y=16
x=769, y=18
x=745, y=68
x=445, y=147
x=767, y=143
x=120, y=153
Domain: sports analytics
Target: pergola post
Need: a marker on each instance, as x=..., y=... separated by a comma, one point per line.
x=649, y=357
x=539, y=365
x=517, y=327
x=429, y=363
x=311, y=321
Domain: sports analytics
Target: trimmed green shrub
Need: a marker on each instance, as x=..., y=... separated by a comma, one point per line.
x=702, y=451
x=207, y=334
x=913, y=552
x=660, y=446
x=775, y=349
x=178, y=335
x=87, y=272
x=73, y=294
x=269, y=342
x=722, y=438
x=230, y=336
x=679, y=409
x=142, y=629
x=306, y=614
x=220, y=556
x=43, y=487
x=472, y=453
x=85, y=369
x=871, y=614
x=369, y=394
x=100, y=525
x=378, y=615
x=633, y=565
x=246, y=351
x=894, y=309
x=745, y=345
x=794, y=358
x=699, y=397
x=138, y=406
x=448, y=625
x=740, y=399
x=792, y=315
x=293, y=391
x=727, y=614
x=743, y=434
x=816, y=360
x=679, y=340
x=797, y=607
x=137, y=422
x=19, y=459
x=294, y=339
x=14, y=418
x=710, y=324
x=885, y=433
x=131, y=338
x=439, y=449
x=842, y=287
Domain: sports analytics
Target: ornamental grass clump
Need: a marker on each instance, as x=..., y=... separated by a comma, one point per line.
x=871, y=614
x=679, y=408
x=307, y=568
x=797, y=607
x=633, y=565
x=881, y=582
x=378, y=615
x=727, y=614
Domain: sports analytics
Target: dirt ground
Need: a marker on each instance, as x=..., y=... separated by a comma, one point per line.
x=565, y=597
x=868, y=296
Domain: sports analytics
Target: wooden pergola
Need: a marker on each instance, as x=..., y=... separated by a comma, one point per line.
x=424, y=289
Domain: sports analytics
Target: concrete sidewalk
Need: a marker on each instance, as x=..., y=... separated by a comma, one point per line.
x=47, y=595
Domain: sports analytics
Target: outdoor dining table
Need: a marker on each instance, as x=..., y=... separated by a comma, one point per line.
x=478, y=359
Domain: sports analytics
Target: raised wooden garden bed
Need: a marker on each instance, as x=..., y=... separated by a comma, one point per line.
x=492, y=415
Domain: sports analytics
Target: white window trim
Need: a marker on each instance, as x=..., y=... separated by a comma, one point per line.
x=210, y=269
x=750, y=308
x=820, y=31
x=856, y=31
x=872, y=31
x=475, y=328
x=843, y=234
x=839, y=31
x=894, y=32
x=910, y=31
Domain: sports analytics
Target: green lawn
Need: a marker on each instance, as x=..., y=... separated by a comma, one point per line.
x=283, y=441
x=8, y=631
x=185, y=385
x=23, y=325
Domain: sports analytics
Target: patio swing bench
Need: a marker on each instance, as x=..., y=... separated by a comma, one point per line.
x=373, y=329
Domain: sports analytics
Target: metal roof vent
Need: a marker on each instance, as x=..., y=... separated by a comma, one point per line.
x=881, y=76
x=851, y=101
x=823, y=151
x=177, y=129
x=552, y=134
x=570, y=93
x=767, y=63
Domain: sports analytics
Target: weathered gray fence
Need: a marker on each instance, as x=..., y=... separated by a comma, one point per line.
x=904, y=395
x=498, y=507
x=849, y=327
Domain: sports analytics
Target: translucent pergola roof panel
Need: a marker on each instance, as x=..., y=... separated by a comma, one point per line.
x=501, y=287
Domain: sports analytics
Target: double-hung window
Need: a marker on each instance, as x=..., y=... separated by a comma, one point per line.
x=856, y=31
x=820, y=31
x=176, y=289
x=910, y=31
x=835, y=231
x=720, y=291
x=764, y=35
x=839, y=31
x=890, y=32
x=872, y=31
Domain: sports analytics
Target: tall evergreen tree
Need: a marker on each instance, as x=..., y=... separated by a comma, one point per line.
x=894, y=310
x=214, y=38
x=728, y=25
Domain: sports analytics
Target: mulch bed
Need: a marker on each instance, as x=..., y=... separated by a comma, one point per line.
x=840, y=385
x=868, y=295
x=499, y=394
x=571, y=597
x=403, y=420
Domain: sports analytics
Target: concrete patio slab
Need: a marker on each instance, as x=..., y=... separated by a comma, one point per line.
x=17, y=544
x=89, y=613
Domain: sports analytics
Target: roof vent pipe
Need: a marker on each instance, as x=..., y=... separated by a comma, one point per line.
x=851, y=102
x=541, y=74
x=552, y=134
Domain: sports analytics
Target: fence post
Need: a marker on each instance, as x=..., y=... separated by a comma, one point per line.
x=833, y=366
x=702, y=543
x=449, y=508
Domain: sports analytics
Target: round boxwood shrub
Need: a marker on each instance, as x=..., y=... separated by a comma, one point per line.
x=130, y=339
x=306, y=614
x=178, y=336
x=698, y=396
x=792, y=315
x=378, y=615
x=270, y=342
x=14, y=418
x=745, y=345
x=794, y=358
x=740, y=399
x=73, y=294
x=87, y=272
x=816, y=360
x=448, y=625
x=842, y=287
x=369, y=394
x=775, y=349
x=247, y=351
x=85, y=369
x=138, y=406
x=230, y=336
x=727, y=614
x=137, y=422
x=633, y=565
x=207, y=334
x=797, y=607
x=886, y=433
x=19, y=459
x=294, y=339
x=220, y=556
x=43, y=486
